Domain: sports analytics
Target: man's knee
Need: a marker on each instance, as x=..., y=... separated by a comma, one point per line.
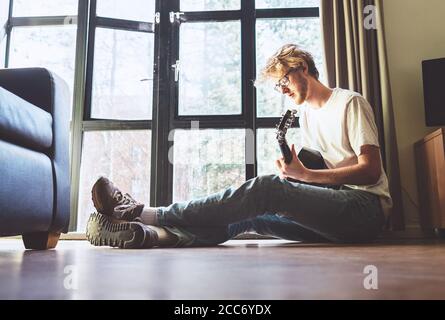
x=267, y=182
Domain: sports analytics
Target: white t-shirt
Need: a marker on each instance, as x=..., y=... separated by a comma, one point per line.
x=338, y=130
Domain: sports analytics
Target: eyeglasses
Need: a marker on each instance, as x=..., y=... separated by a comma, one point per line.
x=284, y=81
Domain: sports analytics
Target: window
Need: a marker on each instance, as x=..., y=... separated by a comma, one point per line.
x=4, y=9
x=3, y=52
x=207, y=161
x=268, y=148
x=136, y=10
x=52, y=47
x=210, y=68
x=213, y=72
x=147, y=72
x=274, y=33
x=209, y=5
x=40, y=36
x=269, y=4
x=122, y=156
x=36, y=8
x=122, y=75
x=116, y=130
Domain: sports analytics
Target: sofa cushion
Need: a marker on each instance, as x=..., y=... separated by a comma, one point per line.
x=26, y=190
x=23, y=123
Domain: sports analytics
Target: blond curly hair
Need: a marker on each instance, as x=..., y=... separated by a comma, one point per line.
x=289, y=56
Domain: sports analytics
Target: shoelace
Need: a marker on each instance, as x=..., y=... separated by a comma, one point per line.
x=126, y=204
x=123, y=199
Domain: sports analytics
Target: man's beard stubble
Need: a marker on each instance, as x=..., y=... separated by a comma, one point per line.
x=303, y=85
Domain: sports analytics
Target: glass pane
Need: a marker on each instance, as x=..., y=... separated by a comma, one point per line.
x=51, y=47
x=266, y=4
x=138, y=10
x=210, y=5
x=207, y=161
x=210, y=68
x=123, y=75
x=269, y=151
x=122, y=156
x=2, y=52
x=271, y=35
x=4, y=10
x=34, y=8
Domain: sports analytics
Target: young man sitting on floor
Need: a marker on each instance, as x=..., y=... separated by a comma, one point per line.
x=338, y=123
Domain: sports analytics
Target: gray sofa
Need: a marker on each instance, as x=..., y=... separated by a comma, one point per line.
x=34, y=156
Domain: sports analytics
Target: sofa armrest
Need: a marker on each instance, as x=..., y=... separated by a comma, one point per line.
x=47, y=91
x=31, y=84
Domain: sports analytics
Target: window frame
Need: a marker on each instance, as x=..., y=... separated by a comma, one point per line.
x=33, y=22
x=86, y=123
x=248, y=119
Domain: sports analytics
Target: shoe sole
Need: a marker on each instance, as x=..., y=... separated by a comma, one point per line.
x=101, y=231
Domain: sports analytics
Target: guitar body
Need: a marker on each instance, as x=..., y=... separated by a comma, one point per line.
x=312, y=159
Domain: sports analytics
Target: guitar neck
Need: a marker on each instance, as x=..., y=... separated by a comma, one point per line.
x=285, y=151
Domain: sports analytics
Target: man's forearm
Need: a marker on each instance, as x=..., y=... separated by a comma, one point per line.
x=356, y=175
x=366, y=171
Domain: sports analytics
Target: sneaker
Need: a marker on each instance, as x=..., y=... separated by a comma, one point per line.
x=109, y=200
x=104, y=230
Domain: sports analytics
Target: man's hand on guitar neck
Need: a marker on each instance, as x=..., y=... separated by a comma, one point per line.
x=295, y=170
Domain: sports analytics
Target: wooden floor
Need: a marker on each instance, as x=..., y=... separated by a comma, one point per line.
x=248, y=269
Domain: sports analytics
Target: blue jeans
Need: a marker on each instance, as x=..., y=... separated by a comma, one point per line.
x=269, y=205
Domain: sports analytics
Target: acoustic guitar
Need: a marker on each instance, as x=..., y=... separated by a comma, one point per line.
x=310, y=158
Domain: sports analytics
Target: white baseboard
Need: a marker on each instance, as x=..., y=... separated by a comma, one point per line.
x=73, y=236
